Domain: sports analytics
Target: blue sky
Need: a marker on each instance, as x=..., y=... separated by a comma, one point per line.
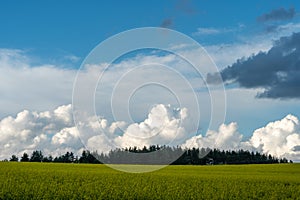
x=43, y=43
x=49, y=28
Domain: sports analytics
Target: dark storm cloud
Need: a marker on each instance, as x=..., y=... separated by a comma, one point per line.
x=277, y=15
x=276, y=71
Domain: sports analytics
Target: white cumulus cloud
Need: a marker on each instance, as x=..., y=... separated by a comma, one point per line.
x=48, y=131
x=54, y=133
x=227, y=137
x=164, y=126
x=279, y=138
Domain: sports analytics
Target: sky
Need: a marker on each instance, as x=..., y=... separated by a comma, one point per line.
x=253, y=46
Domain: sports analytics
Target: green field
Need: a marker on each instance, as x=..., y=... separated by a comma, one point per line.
x=87, y=181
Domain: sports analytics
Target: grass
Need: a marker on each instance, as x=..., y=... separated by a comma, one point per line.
x=80, y=181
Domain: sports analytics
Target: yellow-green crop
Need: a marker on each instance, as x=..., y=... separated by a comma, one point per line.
x=87, y=181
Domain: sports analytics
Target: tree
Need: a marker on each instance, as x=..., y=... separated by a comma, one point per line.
x=87, y=157
x=84, y=157
x=36, y=156
x=14, y=158
x=25, y=158
x=48, y=159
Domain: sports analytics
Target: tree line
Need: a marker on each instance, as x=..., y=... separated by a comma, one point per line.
x=69, y=157
x=157, y=155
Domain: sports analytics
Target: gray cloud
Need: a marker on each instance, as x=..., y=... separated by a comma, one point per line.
x=185, y=6
x=276, y=71
x=181, y=6
x=167, y=23
x=277, y=15
x=296, y=148
x=271, y=29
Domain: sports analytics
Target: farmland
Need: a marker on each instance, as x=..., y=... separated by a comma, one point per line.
x=88, y=181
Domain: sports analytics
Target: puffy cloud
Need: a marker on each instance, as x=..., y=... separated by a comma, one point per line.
x=67, y=136
x=116, y=90
x=64, y=113
x=227, y=138
x=276, y=71
x=279, y=138
x=47, y=131
x=277, y=15
x=25, y=85
x=163, y=126
x=54, y=133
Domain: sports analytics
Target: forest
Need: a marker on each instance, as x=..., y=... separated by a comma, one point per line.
x=155, y=154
